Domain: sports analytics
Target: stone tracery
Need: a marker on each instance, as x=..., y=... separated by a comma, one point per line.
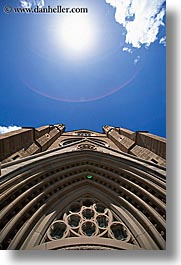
x=88, y=217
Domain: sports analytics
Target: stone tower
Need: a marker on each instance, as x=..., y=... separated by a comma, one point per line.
x=82, y=189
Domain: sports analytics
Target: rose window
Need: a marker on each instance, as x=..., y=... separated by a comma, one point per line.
x=88, y=218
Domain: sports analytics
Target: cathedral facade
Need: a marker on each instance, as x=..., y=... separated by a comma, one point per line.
x=82, y=189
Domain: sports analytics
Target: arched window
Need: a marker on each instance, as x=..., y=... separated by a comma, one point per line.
x=70, y=141
x=88, y=217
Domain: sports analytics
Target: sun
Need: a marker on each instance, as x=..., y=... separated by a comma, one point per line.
x=77, y=34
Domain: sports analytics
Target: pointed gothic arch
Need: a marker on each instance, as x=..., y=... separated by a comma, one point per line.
x=37, y=191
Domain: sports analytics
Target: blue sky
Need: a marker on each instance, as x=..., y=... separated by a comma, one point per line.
x=118, y=79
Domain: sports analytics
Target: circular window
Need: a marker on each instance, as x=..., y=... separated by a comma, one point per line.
x=87, y=202
x=73, y=220
x=102, y=221
x=118, y=231
x=100, y=208
x=88, y=228
x=75, y=207
x=88, y=213
x=57, y=230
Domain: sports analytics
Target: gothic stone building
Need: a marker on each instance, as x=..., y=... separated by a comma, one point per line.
x=82, y=189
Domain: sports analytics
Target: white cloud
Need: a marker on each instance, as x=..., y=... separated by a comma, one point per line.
x=163, y=41
x=137, y=59
x=126, y=49
x=141, y=19
x=31, y=3
x=4, y=129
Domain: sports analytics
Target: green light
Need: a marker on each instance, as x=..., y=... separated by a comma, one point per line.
x=89, y=177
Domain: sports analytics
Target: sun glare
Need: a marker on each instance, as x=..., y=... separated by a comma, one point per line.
x=77, y=34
